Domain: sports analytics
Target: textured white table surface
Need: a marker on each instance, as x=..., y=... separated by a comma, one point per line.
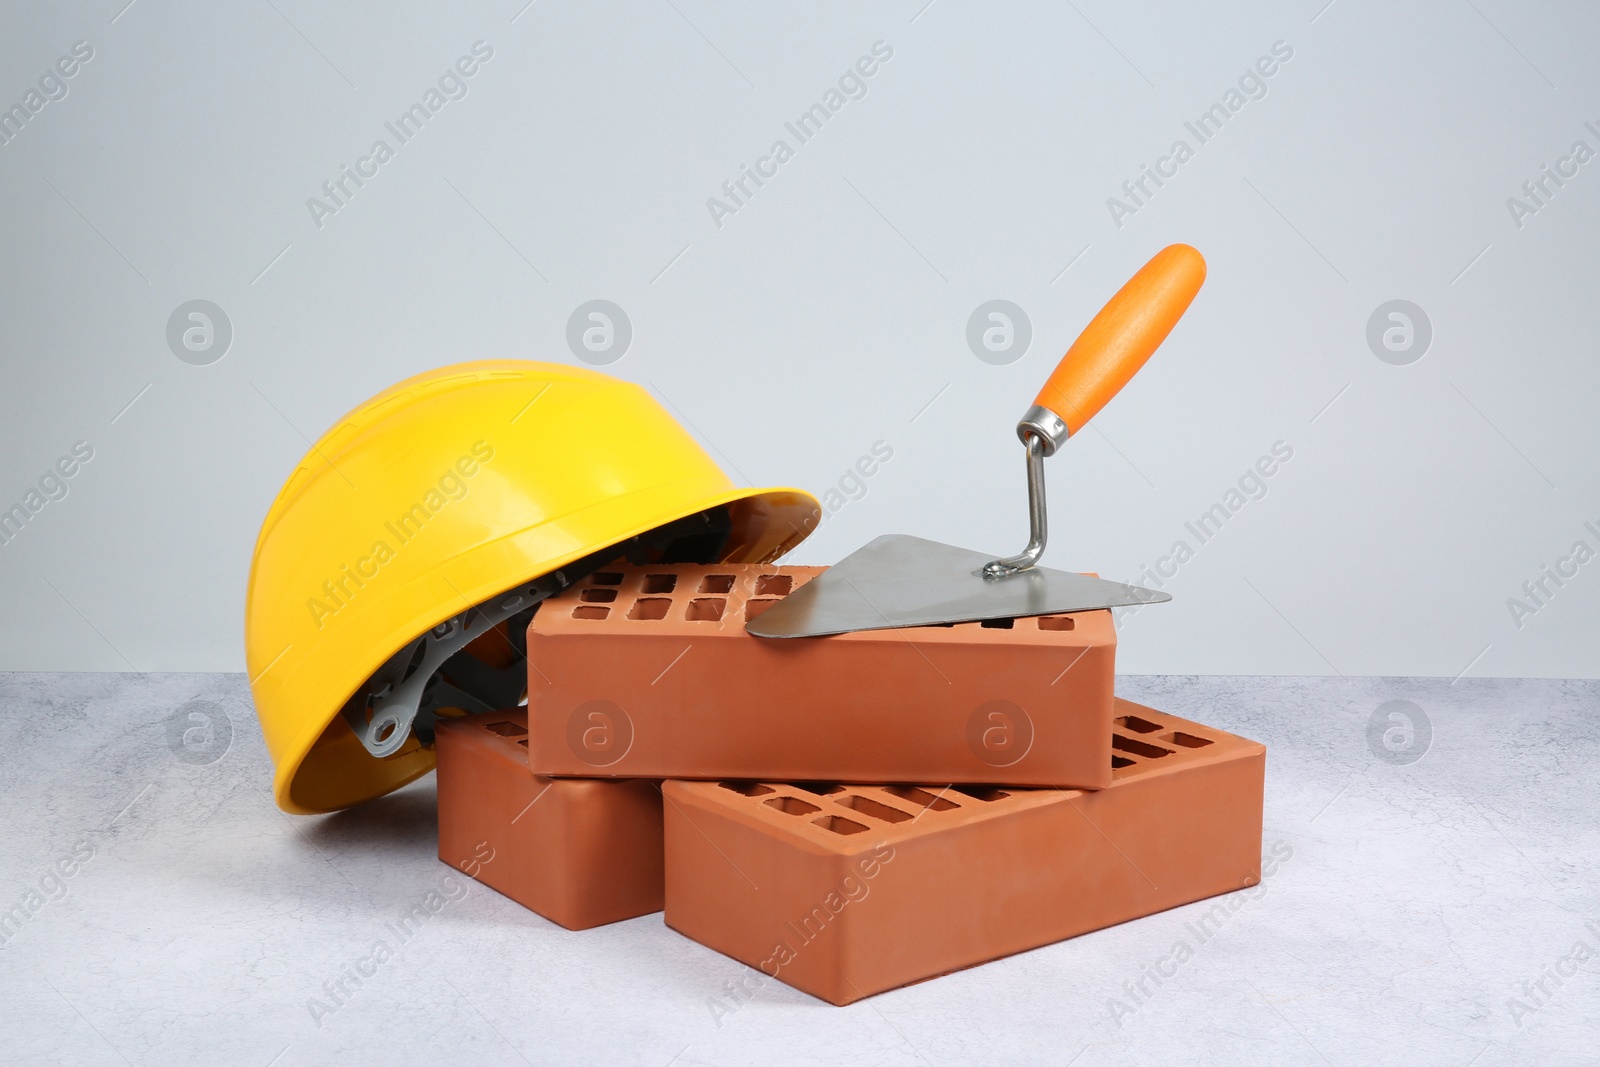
x=1439, y=911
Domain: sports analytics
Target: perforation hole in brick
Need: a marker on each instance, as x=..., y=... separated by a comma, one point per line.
x=707, y=592
x=846, y=810
x=735, y=594
x=1140, y=742
x=510, y=733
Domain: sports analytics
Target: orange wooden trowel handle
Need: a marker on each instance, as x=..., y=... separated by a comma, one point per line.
x=1119, y=340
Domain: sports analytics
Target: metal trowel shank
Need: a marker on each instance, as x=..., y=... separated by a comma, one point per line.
x=899, y=580
x=906, y=581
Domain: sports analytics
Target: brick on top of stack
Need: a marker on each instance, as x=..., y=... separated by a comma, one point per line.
x=648, y=672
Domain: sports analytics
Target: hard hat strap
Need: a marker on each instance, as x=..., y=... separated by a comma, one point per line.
x=406, y=693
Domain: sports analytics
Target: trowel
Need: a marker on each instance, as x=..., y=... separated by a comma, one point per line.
x=898, y=580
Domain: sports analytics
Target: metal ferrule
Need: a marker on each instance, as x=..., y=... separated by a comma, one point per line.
x=1046, y=426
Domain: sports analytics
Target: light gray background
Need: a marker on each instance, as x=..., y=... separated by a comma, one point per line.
x=830, y=312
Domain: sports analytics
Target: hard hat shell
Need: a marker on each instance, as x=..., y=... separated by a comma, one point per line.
x=434, y=496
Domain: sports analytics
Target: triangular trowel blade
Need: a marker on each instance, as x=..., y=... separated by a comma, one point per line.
x=899, y=580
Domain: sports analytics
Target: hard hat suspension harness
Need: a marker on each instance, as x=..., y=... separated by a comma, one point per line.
x=436, y=671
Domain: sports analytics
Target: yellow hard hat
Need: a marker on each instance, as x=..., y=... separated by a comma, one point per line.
x=439, y=509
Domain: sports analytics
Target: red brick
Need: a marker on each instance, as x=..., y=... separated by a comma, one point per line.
x=648, y=672
x=847, y=891
x=580, y=852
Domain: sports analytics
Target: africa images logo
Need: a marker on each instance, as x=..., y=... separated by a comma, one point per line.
x=54, y=85
x=451, y=85
x=342, y=588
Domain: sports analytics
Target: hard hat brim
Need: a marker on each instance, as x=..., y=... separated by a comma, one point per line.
x=325, y=767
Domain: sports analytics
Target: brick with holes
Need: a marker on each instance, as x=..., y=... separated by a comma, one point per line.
x=648, y=672
x=845, y=891
x=580, y=852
